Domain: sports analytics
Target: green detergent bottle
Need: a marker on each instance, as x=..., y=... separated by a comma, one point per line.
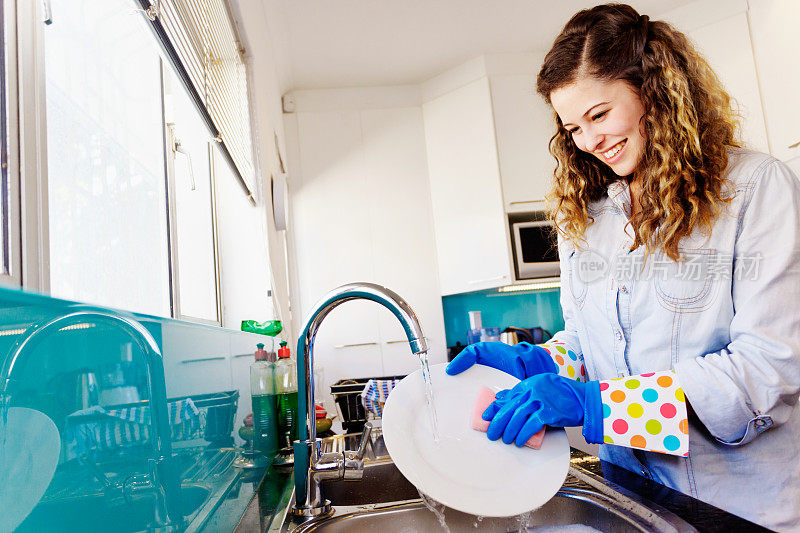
x=286, y=397
x=262, y=390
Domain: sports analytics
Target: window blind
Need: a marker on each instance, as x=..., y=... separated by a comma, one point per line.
x=200, y=39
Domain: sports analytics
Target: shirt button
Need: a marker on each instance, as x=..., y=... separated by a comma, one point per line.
x=760, y=422
x=625, y=289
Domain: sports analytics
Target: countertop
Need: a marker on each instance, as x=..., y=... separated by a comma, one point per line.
x=271, y=498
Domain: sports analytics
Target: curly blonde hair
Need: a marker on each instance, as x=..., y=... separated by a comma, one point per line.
x=689, y=122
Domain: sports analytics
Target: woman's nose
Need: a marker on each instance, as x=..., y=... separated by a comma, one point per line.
x=593, y=140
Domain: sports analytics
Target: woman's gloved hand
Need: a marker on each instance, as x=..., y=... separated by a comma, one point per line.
x=521, y=360
x=545, y=400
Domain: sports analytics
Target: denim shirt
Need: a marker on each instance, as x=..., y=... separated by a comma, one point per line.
x=725, y=320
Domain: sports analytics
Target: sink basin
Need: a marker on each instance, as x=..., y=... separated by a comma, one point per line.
x=382, y=483
x=89, y=514
x=570, y=507
x=384, y=500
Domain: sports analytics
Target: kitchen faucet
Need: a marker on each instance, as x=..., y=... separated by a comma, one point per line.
x=163, y=479
x=311, y=466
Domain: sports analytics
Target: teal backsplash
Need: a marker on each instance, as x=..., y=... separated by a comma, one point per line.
x=524, y=309
x=101, y=452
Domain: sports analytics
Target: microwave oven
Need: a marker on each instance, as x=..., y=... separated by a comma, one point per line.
x=534, y=246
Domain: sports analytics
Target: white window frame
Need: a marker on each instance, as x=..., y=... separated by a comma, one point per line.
x=11, y=272
x=31, y=156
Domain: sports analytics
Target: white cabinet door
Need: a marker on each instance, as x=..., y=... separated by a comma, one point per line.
x=469, y=220
x=774, y=28
x=196, y=361
x=403, y=245
x=331, y=223
x=726, y=46
x=524, y=124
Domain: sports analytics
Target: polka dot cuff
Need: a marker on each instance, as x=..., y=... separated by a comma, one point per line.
x=647, y=412
x=570, y=364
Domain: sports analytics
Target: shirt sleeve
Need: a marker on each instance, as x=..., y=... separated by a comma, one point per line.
x=647, y=412
x=753, y=383
x=570, y=364
x=564, y=347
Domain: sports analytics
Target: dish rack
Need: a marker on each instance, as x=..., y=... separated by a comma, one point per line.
x=206, y=417
x=346, y=393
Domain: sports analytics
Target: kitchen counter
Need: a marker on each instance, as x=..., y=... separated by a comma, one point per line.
x=272, y=498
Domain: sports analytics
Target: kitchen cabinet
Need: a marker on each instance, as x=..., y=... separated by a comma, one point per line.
x=196, y=360
x=773, y=27
x=466, y=196
x=523, y=124
x=725, y=44
x=361, y=212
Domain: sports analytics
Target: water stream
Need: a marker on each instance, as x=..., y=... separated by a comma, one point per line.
x=426, y=376
x=436, y=508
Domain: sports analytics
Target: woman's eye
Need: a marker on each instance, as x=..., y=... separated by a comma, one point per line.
x=599, y=115
x=573, y=131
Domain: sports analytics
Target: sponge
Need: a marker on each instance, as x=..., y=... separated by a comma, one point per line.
x=486, y=397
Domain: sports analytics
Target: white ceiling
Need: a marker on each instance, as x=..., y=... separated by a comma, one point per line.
x=360, y=43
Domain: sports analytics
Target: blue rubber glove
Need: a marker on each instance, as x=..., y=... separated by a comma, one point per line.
x=545, y=400
x=521, y=360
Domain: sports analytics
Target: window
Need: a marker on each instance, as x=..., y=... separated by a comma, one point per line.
x=120, y=155
x=192, y=217
x=105, y=157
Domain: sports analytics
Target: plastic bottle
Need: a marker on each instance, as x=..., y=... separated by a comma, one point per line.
x=286, y=390
x=262, y=390
x=270, y=327
x=475, y=326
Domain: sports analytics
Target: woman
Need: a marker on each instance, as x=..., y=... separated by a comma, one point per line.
x=681, y=347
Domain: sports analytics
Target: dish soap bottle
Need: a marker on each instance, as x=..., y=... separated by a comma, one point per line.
x=262, y=390
x=286, y=390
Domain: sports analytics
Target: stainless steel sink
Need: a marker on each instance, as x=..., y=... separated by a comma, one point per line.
x=385, y=501
x=382, y=483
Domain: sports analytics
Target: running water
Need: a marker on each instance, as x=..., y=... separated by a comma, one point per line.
x=426, y=375
x=436, y=508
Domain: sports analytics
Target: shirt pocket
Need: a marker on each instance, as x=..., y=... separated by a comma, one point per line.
x=577, y=287
x=691, y=285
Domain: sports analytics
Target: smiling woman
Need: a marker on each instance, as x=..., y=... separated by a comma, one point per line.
x=625, y=78
x=685, y=329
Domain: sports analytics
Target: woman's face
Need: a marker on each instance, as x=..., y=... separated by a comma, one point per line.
x=604, y=119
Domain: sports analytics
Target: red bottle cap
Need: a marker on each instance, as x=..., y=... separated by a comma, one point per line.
x=283, y=351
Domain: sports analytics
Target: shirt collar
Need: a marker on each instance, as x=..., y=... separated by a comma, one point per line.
x=619, y=192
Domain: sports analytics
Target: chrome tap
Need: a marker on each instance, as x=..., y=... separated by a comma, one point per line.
x=162, y=479
x=311, y=466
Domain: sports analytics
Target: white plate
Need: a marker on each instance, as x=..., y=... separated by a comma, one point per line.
x=465, y=470
x=28, y=461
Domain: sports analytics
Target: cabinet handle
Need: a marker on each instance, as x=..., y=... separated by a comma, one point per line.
x=356, y=344
x=496, y=278
x=187, y=361
x=396, y=342
x=526, y=202
x=795, y=145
